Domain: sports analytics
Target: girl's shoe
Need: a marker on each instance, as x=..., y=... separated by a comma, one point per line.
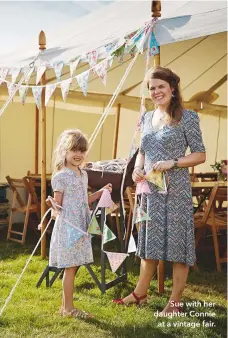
x=120, y=301
x=76, y=313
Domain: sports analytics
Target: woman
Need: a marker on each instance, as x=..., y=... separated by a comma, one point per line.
x=167, y=132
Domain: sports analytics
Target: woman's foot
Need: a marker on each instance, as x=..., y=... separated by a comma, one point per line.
x=76, y=313
x=171, y=307
x=131, y=299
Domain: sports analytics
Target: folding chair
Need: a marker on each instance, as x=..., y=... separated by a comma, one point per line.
x=31, y=206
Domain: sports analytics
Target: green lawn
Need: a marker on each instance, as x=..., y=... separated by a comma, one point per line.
x=34, y=313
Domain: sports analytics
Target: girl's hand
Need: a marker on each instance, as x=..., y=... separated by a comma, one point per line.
x=138, y=175
x=163, y=165
x=108, y=187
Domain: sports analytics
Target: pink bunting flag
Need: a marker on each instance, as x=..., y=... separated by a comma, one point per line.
x=73, y=66
x=116, y=259
x=23, y=93
x=92, y=58
x=83, y=81
x=49, y=91
x=40, y=71
x=142, y=188
x=65, y=87
x=105, y=200
x=3, y=74
x=27, y=74
x=37, y=95
x=58, y=67
x=101, y=70
x=14, y=73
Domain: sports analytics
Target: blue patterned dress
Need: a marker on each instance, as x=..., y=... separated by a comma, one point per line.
x=169, y=235
x=76, y=212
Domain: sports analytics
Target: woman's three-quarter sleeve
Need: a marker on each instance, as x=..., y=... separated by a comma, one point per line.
x=193, y=134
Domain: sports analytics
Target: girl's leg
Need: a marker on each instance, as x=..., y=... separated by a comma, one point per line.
x=147, y=271
x=180, y=275
x=68, y=288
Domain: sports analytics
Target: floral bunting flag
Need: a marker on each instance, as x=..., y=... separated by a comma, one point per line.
x=73, y=66
x=142, y=187
x=141, y=215
x=92, y=58
x=3, y=74
x=94, y=227
x=23, y=93
x=101, y=70
x=116, y=259
x=49, y=91
x=83, y=81
x=73, y=235
x=65, y=87
x=58, y=67
x=155, y=177
x=37, y=91
x=108, y=235
x=154, y=49
x=131, y=245
x=111, y=209
x=14, y=73
x=139, y=42
x=11, y=87
x=105, y=200
x=40, y=71
x=27, y=74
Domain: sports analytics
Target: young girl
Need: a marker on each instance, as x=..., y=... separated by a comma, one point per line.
x=69, y=247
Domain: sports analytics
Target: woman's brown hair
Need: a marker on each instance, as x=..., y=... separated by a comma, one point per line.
x=175, y=107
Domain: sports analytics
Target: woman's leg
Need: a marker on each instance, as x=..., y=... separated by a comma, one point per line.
x=147, y=271
x=68, y=288
x=180, y=275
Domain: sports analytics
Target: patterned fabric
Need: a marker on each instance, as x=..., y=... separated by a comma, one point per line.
x=76, y=211
x=169, y=235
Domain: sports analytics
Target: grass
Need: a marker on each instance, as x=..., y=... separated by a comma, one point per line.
x=34, y=313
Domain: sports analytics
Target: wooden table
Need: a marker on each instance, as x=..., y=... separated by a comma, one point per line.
x=212, y=184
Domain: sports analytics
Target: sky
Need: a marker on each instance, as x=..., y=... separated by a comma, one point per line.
x=22, y=21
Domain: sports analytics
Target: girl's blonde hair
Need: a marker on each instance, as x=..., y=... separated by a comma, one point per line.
x=72, y=139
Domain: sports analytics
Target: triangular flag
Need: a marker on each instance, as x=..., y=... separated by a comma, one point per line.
x=65, y=87
x=140, y=40
x=155, y=177
x=131, y=245
x=154, y=49
x=141, y=215
x=3, y=74
x=73, y=235
x=142, y=188
x=108, y=235
x=83, y=81
x=92, y=58
x=23, y=93
x=40, y=70
x=11, y=88
x=49, y=91
x=37, y=95
x=58, y=67
x=101, y=70
x=110, y=61
x=115, y=259
x=73, y=66
x=94, y=227
x=111, y=209
x=105, y=200
x=27, y=74
x=14, y=73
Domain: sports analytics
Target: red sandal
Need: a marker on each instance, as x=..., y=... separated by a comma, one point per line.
x=120, y=301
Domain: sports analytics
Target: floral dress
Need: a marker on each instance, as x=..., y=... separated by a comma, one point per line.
x=76, y=213
x=169, y=235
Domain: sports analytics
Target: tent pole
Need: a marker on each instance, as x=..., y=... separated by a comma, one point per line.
x=156, y=13
x=116, y=132
x=36, y=140
x=42, y=43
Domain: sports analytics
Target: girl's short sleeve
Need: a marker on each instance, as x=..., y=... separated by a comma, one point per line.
x=58, y=183
x=193, y=134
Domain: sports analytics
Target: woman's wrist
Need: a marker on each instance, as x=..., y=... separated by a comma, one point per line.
x=137, y=166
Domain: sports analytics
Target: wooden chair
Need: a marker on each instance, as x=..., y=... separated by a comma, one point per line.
x=213, y=221
x=31, y=206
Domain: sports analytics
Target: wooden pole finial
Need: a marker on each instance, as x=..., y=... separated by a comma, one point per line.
x=156, y=9
x=42, y=40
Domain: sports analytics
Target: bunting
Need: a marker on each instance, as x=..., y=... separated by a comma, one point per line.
x=108, y=235
x=58, y=67
x=116, y=259
x=10, y=88
x=92, y=58
x=37, y=95
x=83, y=81
x=154, y=47
x=73, y=235
x=27, y=74
x=101, y=70
x=155, y=177
x=3, y=74
x=110, y=61
x=23, y=93
x=49, y=91
x=14, y=73
x=141, y=215
x=105, y=200
x=73, y=66
x=65, y=87
x=142, y=188
x=111, y=209
x=131, y=245
x=94, y=227
x=40, y=71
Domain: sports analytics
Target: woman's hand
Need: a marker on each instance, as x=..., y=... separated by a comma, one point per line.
x=163, y=165
x=137, y=175
x=108, y=187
